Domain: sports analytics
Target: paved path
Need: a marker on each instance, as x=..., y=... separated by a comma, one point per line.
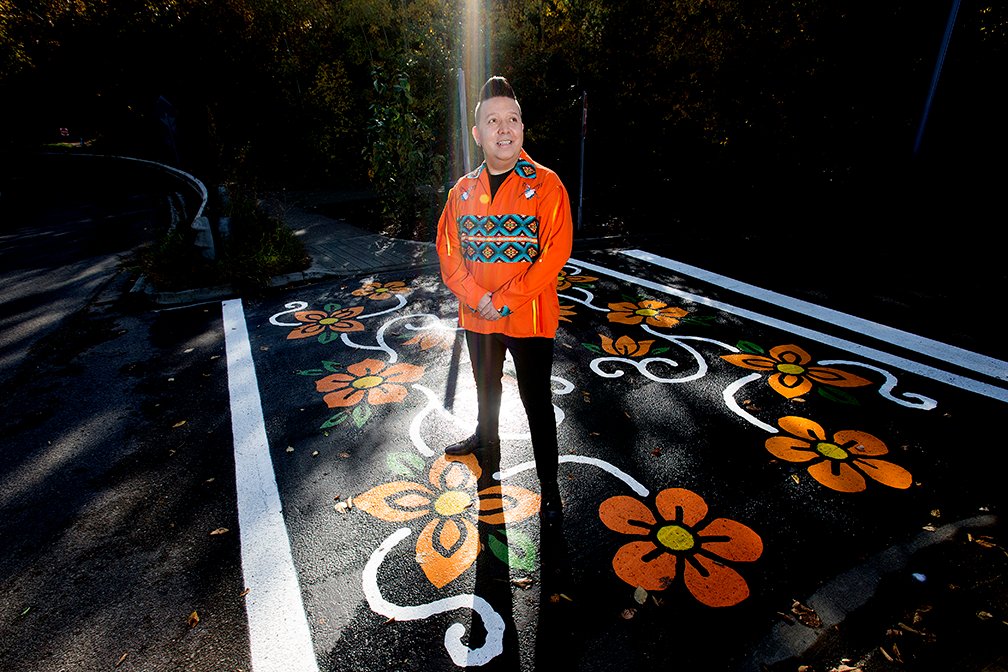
x=661, y=414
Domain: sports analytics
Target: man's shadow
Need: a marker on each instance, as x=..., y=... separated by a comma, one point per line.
x=550, y=623
x=558, y=610
x=493, y=575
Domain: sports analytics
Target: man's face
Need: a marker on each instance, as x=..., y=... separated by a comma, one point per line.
x=500, y=132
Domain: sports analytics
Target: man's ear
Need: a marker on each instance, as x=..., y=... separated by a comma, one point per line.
x=475, y=135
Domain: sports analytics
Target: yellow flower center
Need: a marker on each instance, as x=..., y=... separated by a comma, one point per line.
x=328, y=320
x=831, y=451
x=675, y=538
x=793, y=369
x=366, y=382
x=379, y=290
x=646, y=312
x=452, y=503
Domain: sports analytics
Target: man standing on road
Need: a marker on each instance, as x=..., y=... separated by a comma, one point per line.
x=504, y=236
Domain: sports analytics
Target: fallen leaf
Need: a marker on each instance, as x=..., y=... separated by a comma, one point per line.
x=121, y=659
x=984, y=615
x=656, y=451
x=244, y=592
x=627, y=614
x=178, y=424
x=342, y=507
x=344, y=454
x=188, y=350
x=314, y=453
x=785, y=617
x=794, y=477
x=524, y=582
x=806, y=615
x=936, y=513
x=219, y=530
x=193, y=619
x=640, y=595
x=985, y=541
x=929, y=528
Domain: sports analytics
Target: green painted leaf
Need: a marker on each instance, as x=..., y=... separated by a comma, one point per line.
x=334, y=420
x=594, y=348
x=361, y=414
x=311, y=372
x=750, y=347
x=659, y=351
x=514, y=548
x=332, y=367
x=404, y=464
x=328, y=337
x=331, y=307
x=838, y=395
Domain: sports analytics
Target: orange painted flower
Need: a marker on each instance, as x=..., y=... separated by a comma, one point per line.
x=655, y=313
x=449, y=542
x=380, y=291
x=567, y=312
x=626, y=346
x=564, y=281
x=681, y=542
x=840, y=462
x=371, y=378
x=792, y=376
x=315, y=322
x=434, y=338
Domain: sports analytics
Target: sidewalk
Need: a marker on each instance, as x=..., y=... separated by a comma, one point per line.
x=336, y=248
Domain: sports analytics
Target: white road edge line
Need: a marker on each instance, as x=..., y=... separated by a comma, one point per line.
x=962, y=382
x=983, y=364
x=279, y=636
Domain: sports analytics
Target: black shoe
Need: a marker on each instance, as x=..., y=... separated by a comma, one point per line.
x=551, y=509
x=470, y=444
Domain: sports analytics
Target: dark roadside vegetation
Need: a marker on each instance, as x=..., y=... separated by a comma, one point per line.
x=762, y=133
x=781, y=136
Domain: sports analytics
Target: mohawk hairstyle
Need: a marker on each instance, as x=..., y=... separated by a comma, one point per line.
x=494, y=87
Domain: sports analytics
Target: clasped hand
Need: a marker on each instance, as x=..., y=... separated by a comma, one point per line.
x=486, y=308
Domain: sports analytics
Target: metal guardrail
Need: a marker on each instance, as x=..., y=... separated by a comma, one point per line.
x=192, y=186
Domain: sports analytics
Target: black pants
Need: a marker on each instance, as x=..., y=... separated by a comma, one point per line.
x=533, y=360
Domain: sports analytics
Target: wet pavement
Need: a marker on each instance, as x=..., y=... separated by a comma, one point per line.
x=761, y=468
x=751, y=481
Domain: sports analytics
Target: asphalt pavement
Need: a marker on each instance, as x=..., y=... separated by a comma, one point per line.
x=900, y=576
x=932, y=600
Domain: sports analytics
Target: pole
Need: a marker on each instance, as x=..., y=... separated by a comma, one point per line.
x=937, y=73
x=584, y=132
x=463, y=119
